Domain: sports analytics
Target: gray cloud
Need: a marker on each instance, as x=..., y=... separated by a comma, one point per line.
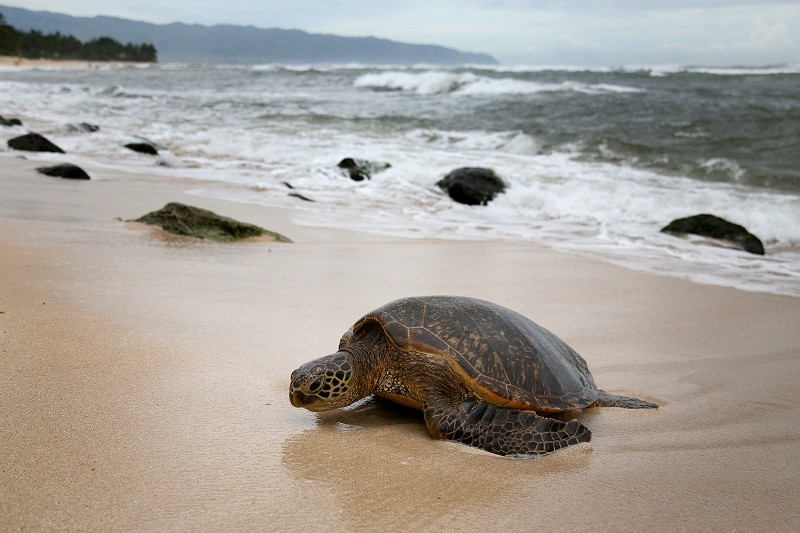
x=585, y=32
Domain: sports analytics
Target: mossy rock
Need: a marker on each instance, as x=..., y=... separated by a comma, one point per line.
x=472, y=185
x=361, y=169
x=33, y=142
x=65, y=170
x=142, y=148
x=10, y=122
x=192, y=221
x=716, y=228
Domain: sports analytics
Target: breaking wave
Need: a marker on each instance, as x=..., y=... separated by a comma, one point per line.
x=468, y=83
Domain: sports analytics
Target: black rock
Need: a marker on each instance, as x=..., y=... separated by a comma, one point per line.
x=195, y=222
x=472, y=185
x=144, y=148
x=298, y=195
x=65, y=170
x=33, y=142
x=361, y=169
x=716, y=228
x=83, y=127
x=10, y=122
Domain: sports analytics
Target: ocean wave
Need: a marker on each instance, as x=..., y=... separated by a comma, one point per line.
x=587, y=207
x=653, y=70
x=244, y=135
x=746, y=71
x=470, y=84
x=726, y=167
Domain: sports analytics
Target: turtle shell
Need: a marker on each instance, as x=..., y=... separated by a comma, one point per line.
x=504, y=357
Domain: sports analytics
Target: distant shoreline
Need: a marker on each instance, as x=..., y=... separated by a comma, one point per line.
x=14, y=61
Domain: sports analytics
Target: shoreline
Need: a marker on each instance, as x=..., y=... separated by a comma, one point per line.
x=610, y=209
x=67, y=64
x=144, y=380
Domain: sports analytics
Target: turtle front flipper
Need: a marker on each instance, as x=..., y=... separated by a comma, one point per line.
x=499, y=430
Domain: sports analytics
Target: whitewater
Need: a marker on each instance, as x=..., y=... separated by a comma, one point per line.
x=597, y=160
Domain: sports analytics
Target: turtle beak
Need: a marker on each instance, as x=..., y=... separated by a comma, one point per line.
x=301, y=399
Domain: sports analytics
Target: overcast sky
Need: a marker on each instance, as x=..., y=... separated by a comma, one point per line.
x=546, y=32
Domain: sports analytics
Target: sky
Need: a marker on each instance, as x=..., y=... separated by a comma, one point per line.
x=543, y=32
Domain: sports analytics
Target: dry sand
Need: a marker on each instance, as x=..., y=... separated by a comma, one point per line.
x=143, y=381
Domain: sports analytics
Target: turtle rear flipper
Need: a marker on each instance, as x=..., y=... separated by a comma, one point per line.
x=605, y=399
x=501, y=431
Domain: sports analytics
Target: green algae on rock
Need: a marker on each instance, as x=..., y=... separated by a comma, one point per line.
x=192, y=221
x=10, y=122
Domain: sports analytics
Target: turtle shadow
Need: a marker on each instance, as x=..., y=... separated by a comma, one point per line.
x=377, y=456
x=372, y=411
x=376, y=412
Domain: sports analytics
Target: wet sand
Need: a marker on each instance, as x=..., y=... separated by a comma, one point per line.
x=144, y=377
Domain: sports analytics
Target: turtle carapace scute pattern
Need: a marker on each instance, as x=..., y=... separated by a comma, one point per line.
x=481, y=374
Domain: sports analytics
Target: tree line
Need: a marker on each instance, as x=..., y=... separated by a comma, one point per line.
x=36, y=45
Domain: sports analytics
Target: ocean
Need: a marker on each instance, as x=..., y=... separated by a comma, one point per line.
x=597, y=160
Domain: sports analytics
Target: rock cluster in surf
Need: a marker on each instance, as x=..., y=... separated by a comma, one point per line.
x=200, y=223
x=467, y=185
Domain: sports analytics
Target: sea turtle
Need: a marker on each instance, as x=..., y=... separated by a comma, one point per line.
x=479, y=372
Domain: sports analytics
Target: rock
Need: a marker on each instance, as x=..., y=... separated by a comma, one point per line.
x=33, y=142
x=83, y=127
x=65, y=170
x=195, y=222
x=472, y=185
x=10, y=122
x=716, y=228
x=361, y=169
x=298, y=195
x=144, y=148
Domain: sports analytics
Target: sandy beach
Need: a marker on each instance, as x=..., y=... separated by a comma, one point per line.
x=66, y=64
x=144, y=379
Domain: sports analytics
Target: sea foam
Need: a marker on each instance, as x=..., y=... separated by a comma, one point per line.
x=468, y=83
x=241, y=132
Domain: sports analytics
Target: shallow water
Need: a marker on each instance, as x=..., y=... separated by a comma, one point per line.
x=597, y=161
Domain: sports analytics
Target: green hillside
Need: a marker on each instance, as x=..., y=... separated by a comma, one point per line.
x=226, y=44
x=36, y=45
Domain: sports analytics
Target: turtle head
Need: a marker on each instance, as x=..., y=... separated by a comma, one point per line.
x=325, y=383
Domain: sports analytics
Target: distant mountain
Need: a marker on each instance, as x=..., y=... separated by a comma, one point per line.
x=194, y=43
